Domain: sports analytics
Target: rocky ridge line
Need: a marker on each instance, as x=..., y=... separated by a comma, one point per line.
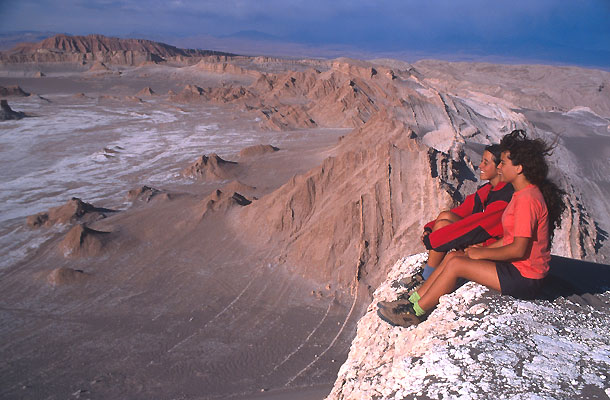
x=81, y=49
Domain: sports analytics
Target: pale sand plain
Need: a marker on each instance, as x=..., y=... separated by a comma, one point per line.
x=175, y=306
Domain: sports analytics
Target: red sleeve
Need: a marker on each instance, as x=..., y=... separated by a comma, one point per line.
x=465, y=209
x=473, y=203
x=462, y=210
x=483, y=227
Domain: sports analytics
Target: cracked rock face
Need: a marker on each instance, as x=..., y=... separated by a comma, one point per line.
x=478, y=345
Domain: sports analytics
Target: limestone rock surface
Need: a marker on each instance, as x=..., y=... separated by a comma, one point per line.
x=480, y=345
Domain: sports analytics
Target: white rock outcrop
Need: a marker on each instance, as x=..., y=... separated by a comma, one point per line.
x=479, y=345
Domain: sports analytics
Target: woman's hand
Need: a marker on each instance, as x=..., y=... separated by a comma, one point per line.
x=475, y=253
x=426, y=233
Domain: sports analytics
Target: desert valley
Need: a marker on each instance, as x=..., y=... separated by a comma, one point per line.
x=194, y=224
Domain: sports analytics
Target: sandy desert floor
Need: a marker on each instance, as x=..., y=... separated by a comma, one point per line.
x=202, y=317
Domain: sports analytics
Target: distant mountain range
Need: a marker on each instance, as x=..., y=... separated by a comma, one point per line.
x=66, y=48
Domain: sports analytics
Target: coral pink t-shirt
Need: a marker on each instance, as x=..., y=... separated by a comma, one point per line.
x=527, y=216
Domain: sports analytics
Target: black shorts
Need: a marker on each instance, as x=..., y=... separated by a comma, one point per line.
x=514, y=284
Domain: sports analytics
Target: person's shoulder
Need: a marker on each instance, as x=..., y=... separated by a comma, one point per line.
x=534, y=191
x=486, y=187
x=531, y=195
x=505, y=188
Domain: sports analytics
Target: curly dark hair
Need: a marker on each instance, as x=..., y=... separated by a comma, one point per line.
x=531, y=155
x=496, y=152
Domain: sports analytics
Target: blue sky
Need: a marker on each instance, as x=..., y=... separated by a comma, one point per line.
x=557, y=31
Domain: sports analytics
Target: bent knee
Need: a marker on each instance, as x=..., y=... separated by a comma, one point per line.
x=457, y=263
x=448, y=215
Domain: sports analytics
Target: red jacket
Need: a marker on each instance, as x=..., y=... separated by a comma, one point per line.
x=481, y=221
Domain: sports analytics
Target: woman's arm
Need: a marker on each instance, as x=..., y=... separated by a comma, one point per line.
x=513, y=251
x=497, y=243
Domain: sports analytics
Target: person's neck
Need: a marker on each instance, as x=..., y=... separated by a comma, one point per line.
x=494, y=181
x=520, y=183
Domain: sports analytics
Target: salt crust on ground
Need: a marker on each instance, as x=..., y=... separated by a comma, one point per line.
x=477, y=344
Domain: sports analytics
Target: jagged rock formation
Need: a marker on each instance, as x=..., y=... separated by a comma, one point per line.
x=75, y=210
x=210, y=168
x=91, y=48
x=257, y=150
x=348, y=216
x=413, y=142
x=340, y=97
x=478, y=345
x=223, y=68
x=81, y=241
x=7, y=113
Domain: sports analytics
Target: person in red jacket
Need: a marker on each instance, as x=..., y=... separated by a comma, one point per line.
x=476, y=220
x=514, y=265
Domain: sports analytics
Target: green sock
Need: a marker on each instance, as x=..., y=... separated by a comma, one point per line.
x=414, y=298
x=418, y=310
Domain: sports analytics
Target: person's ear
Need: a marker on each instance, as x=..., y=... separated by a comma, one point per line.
x=519, y=169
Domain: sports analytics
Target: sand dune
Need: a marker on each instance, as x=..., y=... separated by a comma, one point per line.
x=210, y=167
x=147, y=91
x=257, y=150
x=81, y=241
x=219, y=201
x=145, y=194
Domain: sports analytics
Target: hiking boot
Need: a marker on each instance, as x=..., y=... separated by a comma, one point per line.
x=403, y=315
x=393, y=304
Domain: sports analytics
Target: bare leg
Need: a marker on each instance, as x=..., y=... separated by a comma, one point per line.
x=437, y=271
x=480, y=271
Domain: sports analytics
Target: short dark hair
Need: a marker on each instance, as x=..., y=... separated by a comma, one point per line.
x=496, y=152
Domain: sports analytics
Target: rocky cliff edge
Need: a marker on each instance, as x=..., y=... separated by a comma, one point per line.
x=478, y=345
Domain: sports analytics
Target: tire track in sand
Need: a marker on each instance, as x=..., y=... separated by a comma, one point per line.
x=332, y=343
x=235, y=300
x=300, y=346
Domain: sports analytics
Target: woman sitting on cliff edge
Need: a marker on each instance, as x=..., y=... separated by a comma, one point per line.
x=514, y=265
x=477, y=220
